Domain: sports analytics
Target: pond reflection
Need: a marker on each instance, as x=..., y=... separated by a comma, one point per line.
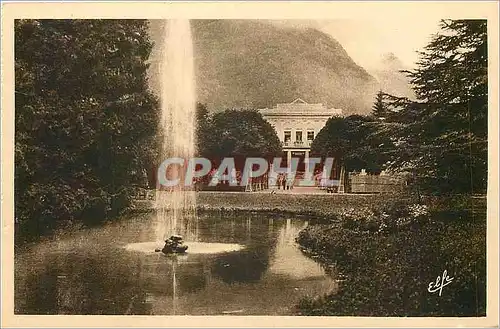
x=93, y=273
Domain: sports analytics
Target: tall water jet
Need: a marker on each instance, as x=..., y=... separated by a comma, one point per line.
x=176, y=207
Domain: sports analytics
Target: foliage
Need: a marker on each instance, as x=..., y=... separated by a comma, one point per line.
x=85, y=121
x=394, y=217
x=387, y=273
x=239, y=134
x=380, y=110
x=442, y=137
x=202, y=128
x=352, y=141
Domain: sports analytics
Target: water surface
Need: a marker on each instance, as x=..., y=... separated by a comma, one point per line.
x=109, y=270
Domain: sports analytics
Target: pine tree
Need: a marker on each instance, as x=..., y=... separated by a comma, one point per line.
x=379, y=109
x=442, y=137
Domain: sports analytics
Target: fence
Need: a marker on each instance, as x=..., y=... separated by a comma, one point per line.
x=375, y=183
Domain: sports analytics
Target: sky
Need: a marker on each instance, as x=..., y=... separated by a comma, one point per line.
x=366, y=41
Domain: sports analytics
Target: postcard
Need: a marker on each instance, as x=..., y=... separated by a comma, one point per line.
x=250, y=164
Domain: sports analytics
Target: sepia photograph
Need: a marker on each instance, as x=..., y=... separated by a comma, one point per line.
x=250, y=166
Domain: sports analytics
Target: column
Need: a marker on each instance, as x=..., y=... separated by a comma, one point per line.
x=306, y=160
x=289, y=158
x=342, y=180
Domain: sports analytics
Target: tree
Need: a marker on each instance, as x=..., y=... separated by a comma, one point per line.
x=240, y=134
x=203, y=132
x=379, y=109
x=442, y=136
x=351, y=141
x=85, y=120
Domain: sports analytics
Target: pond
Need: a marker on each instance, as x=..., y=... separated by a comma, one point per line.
x=241, y=265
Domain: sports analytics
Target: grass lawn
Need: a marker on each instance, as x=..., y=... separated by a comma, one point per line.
x=316, y=205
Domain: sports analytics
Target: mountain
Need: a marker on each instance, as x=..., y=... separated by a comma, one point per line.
x=257, y=64
x=391, y=79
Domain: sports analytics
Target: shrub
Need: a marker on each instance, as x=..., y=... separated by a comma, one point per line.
x=387, y=271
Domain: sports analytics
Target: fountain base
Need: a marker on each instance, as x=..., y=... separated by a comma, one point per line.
x=173, y=245
x=194, y=247
x=172, y=251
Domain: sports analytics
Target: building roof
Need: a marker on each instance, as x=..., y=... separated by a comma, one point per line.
x=299, y=100
x=300, y=107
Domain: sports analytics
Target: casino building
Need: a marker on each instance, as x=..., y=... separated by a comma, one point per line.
x=297, y=124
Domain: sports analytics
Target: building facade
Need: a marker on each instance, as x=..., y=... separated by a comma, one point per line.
x=297, y=124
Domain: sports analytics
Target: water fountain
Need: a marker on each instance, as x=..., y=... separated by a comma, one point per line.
x=176, y=208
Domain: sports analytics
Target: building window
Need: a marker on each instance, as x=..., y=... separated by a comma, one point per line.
x=288, y=136
x=310, y=135
x=298, y=136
